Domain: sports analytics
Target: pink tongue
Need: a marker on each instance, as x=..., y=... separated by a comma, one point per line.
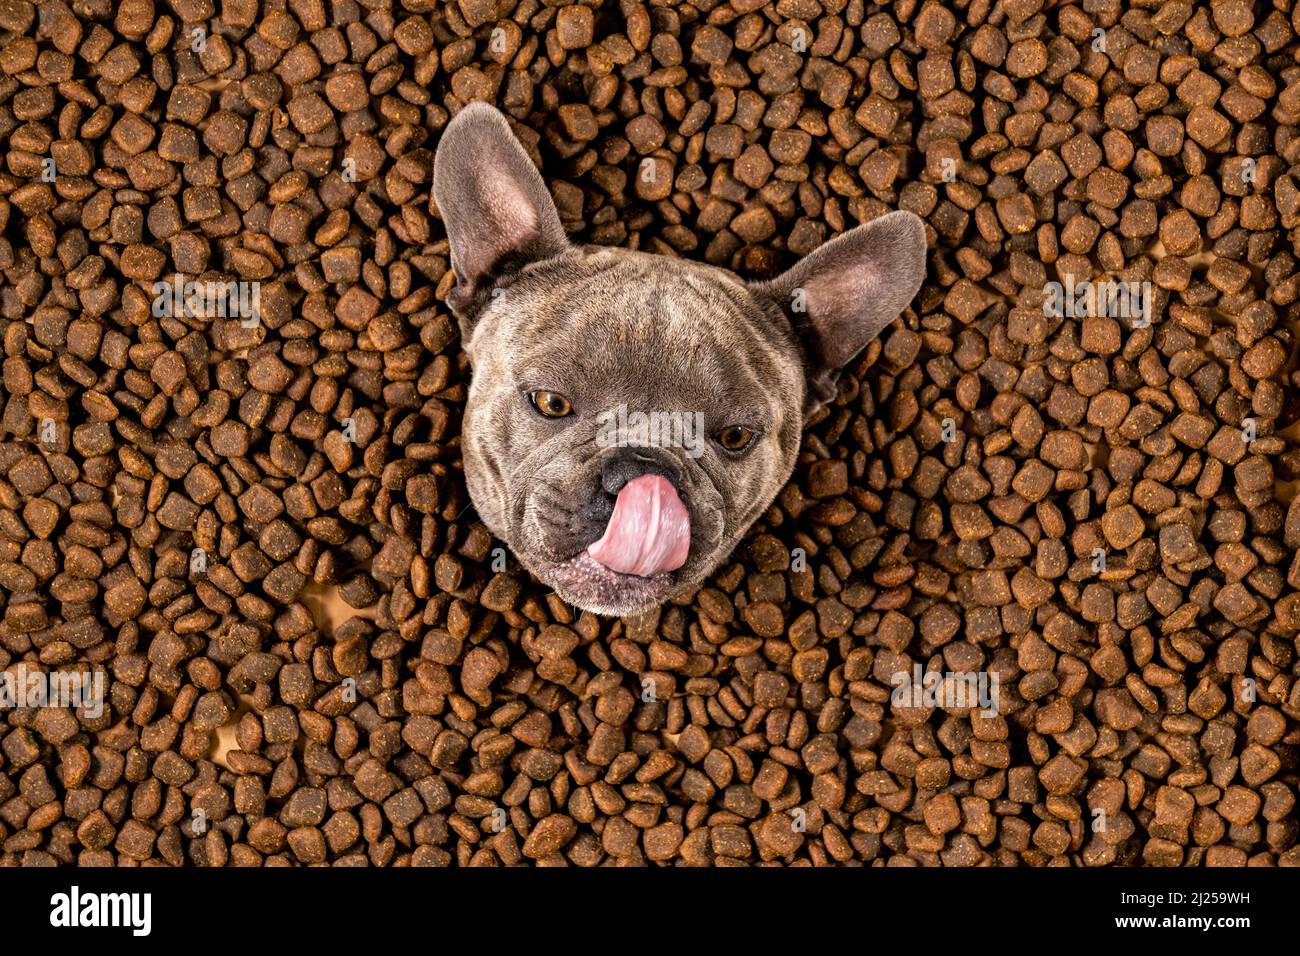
x=649, y=531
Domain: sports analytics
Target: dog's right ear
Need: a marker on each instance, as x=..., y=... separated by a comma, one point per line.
x=493, y=202
x=847, y=291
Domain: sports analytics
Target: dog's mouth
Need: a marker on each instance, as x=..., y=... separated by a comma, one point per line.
x=649, y=532
x=632, y=565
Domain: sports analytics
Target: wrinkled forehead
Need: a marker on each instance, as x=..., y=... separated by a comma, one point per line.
x=661, y=330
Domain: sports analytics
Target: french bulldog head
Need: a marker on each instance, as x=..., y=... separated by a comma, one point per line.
x=631, y=415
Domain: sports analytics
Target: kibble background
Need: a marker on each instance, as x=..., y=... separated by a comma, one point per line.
x=295, y=149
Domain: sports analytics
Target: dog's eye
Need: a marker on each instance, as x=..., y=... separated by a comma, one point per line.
x=735, y=438
x=550, y=404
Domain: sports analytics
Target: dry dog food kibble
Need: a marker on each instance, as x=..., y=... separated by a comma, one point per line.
x=1030, y=597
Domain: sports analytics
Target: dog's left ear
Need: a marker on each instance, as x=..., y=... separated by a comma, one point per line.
x=493, y=202
x=842, y=295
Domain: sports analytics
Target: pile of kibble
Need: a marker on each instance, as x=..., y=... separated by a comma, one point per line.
x=1089, y=509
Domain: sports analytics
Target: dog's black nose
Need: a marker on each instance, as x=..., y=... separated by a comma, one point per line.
x=628, y=463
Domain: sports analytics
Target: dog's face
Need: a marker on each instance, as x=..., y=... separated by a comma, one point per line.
x=631, y=415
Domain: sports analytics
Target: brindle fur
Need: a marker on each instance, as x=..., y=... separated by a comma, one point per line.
x=606, y=326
